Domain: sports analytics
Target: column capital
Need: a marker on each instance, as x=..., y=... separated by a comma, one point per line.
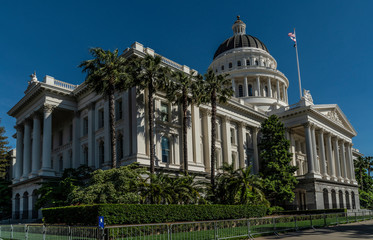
x=48, y=108
x=307, y=124
x=77, y=113
x=18, y=127
x=321, y=131
x=36, y=115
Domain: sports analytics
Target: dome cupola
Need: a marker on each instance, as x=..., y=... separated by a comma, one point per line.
x=239, y=27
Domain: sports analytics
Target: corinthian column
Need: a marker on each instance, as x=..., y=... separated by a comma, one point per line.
x=330, y=156
x=256, y=152
x=19, y=155
x=344, y=163
x=324, y=172
x=35, y=146
x=46, y=168
x=310, y=162
x=26, y=150
x=336, y=158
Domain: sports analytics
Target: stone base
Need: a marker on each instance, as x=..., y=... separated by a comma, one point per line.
x=47, y=172
x=313, y=175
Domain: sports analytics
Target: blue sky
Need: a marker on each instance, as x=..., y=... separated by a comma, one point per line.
x=335, y=43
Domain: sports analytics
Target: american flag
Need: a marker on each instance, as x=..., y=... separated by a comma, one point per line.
x=292, y=37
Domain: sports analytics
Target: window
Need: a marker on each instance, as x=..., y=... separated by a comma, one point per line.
x=230, y=65
x=256, y=62
x=250, y=89
x=266, y=91
x=240, y=91
x=263, y=63
x=233, y=137
x=238, y=63
x=71, y=132
x=216, y=70
x=101, y=152
x=164, y=112
x=247, y=62
x=120, y=146
x=100, y=118
x=118, y=110
x=165, y=149
x=85, y=155
x=85, y=126
x=60, y=164
x=222, y=67
x=60, y=137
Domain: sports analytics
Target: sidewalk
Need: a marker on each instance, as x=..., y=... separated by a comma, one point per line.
x=359, y=230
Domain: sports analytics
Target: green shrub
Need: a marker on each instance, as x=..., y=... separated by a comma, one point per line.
x=275, y=210
x=315, y=211
x=142, y=213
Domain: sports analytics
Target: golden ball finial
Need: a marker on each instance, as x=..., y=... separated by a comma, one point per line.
x=238, y=17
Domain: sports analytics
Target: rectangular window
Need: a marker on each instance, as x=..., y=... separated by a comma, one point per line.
x=233, y=136
x=85, y=126
x=100, y=118
x=60, y=137
x=118, y=110
x=165, y=150
x=164, y=112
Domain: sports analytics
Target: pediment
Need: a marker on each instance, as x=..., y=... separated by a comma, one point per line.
x=335, y=115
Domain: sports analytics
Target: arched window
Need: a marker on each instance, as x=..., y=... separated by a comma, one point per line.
x=256, y=62
x=101, y=152
x=240, y=91
x=165, y=142
x=250, y=89
x=230, y=65
x=266, y=91
x=17, y=205
x=348, y=206
x=340, y=193
x=353, y=200
x=334, y=199
x=222, y=67
x=238, y=63
x=34, y=210
x=25, y=206
x=326, y=198
x=247, y=62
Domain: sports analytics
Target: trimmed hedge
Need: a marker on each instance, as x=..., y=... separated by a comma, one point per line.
x=315, y=211
x=142, y=213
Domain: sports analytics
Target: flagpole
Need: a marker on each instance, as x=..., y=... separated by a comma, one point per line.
x=296, y=51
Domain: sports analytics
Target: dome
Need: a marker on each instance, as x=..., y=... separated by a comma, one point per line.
x=239, y=39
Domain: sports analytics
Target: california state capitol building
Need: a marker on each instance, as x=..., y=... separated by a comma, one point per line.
x=60, y=125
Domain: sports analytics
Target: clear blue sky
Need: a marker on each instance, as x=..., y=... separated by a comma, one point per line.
x=335, y=43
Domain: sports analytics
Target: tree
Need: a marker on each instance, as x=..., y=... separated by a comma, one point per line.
x=216, y=89
x=370, y=164
x=106, y=73
x=149, y=74
x=361, y=166
x=4, y=153
x=276, y=170
x=181, y=90
x=117, y=185
x=55, y=192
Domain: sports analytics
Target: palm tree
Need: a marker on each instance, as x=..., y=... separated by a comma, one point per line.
x=370, y=164
x=216, y=89
x=105, y=74
x=148, y=74
x=180, y=90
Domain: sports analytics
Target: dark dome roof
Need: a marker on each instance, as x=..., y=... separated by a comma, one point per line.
x=238, y=41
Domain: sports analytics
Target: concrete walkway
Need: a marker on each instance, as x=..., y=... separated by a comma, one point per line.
x=359, y=230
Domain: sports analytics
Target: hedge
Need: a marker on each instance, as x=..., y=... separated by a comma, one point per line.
x=141, y=213
x=314, y=211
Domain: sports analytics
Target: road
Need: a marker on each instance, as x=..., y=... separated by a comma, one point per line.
x=359, y=230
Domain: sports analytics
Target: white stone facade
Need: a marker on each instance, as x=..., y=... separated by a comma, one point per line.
x=60, y=125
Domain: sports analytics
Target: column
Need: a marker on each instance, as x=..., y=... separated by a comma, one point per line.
x=269, y=88
x=126, y=124
x=46, y=168
x=336, y=159
x=256, y=152
x=91, y=135
x=330, y=157
x=19, y=154
x=26, y=150
x=234, y=87
x=245, y=90
x=310, y=162
x=284, y=92
x=36, y=146
x=197, y=128
x=314, y=149
x=75, y=141
x=206, y=128
x=241, y=144
x=343, y=162
x=258, y=86
x=107, y=137
x=351, y=161
x=278, y=90
x=226, y=137
x=324, y=172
